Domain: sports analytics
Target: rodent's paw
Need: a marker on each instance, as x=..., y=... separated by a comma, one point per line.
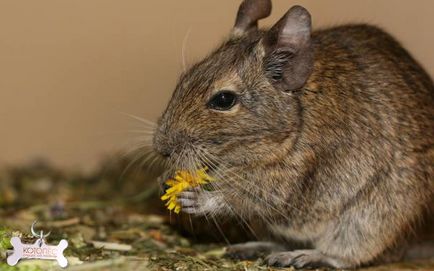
x=309, y=258
x=197, y=201
x=240, y=252
x=297, y=259
x=189, y=201
x=251, y=250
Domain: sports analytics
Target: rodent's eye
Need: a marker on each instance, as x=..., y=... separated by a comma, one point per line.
x=223, y=100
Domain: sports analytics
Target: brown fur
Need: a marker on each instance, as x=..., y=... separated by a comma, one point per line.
x=343, y=163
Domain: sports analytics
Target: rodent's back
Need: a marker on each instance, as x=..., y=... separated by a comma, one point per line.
x=363, y=77
x=368, y=115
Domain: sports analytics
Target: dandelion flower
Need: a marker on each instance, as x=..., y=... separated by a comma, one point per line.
x=183, y=180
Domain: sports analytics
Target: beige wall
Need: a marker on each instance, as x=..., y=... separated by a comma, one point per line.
x=68, y=68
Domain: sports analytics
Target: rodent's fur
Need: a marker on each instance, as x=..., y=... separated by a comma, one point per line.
x=344, y=162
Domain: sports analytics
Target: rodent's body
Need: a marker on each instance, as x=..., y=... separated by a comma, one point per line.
x=366, y=138
x=338, y=154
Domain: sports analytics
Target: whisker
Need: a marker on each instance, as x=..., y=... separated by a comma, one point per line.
x=243, y=221
x=137, y=157
x=184, y=45
x=266, y=218
x=242, y=187
x=138, y=147
x=142, y=120
x=141, y=131
x=191, y=226
x=194, y=158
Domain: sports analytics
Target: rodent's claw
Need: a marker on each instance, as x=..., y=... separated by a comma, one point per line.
x=251, y=250
x=189, y=206
x=197, y=201
x=309, y=258
x=189, y=200
x=297, y=259
x=238, y=252
x=188, y=194
x=186, y=203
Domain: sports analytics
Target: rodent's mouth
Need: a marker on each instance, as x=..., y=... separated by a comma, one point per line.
x=206, y=168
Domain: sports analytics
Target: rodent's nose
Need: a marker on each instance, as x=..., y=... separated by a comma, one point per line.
x=165, y=152
x=162, y=146
x=166, y=143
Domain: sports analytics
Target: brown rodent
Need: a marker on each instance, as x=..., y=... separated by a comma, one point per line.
x=327, y=137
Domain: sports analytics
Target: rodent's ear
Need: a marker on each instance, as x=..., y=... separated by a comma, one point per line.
x=288, y=59
x=249, y=12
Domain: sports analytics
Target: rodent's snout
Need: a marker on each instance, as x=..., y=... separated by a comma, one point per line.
x=165, y=152
x=161, y=145
x=167, y=143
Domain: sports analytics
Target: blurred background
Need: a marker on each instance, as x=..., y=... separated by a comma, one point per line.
x=69, y=69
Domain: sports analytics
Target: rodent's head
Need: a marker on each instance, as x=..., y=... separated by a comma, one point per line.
x=239, y=104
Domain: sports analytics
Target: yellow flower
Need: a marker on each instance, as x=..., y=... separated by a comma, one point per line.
x=182, y=181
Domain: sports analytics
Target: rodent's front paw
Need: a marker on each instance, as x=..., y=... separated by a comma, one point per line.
x=189, y=201
x=198, y=201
